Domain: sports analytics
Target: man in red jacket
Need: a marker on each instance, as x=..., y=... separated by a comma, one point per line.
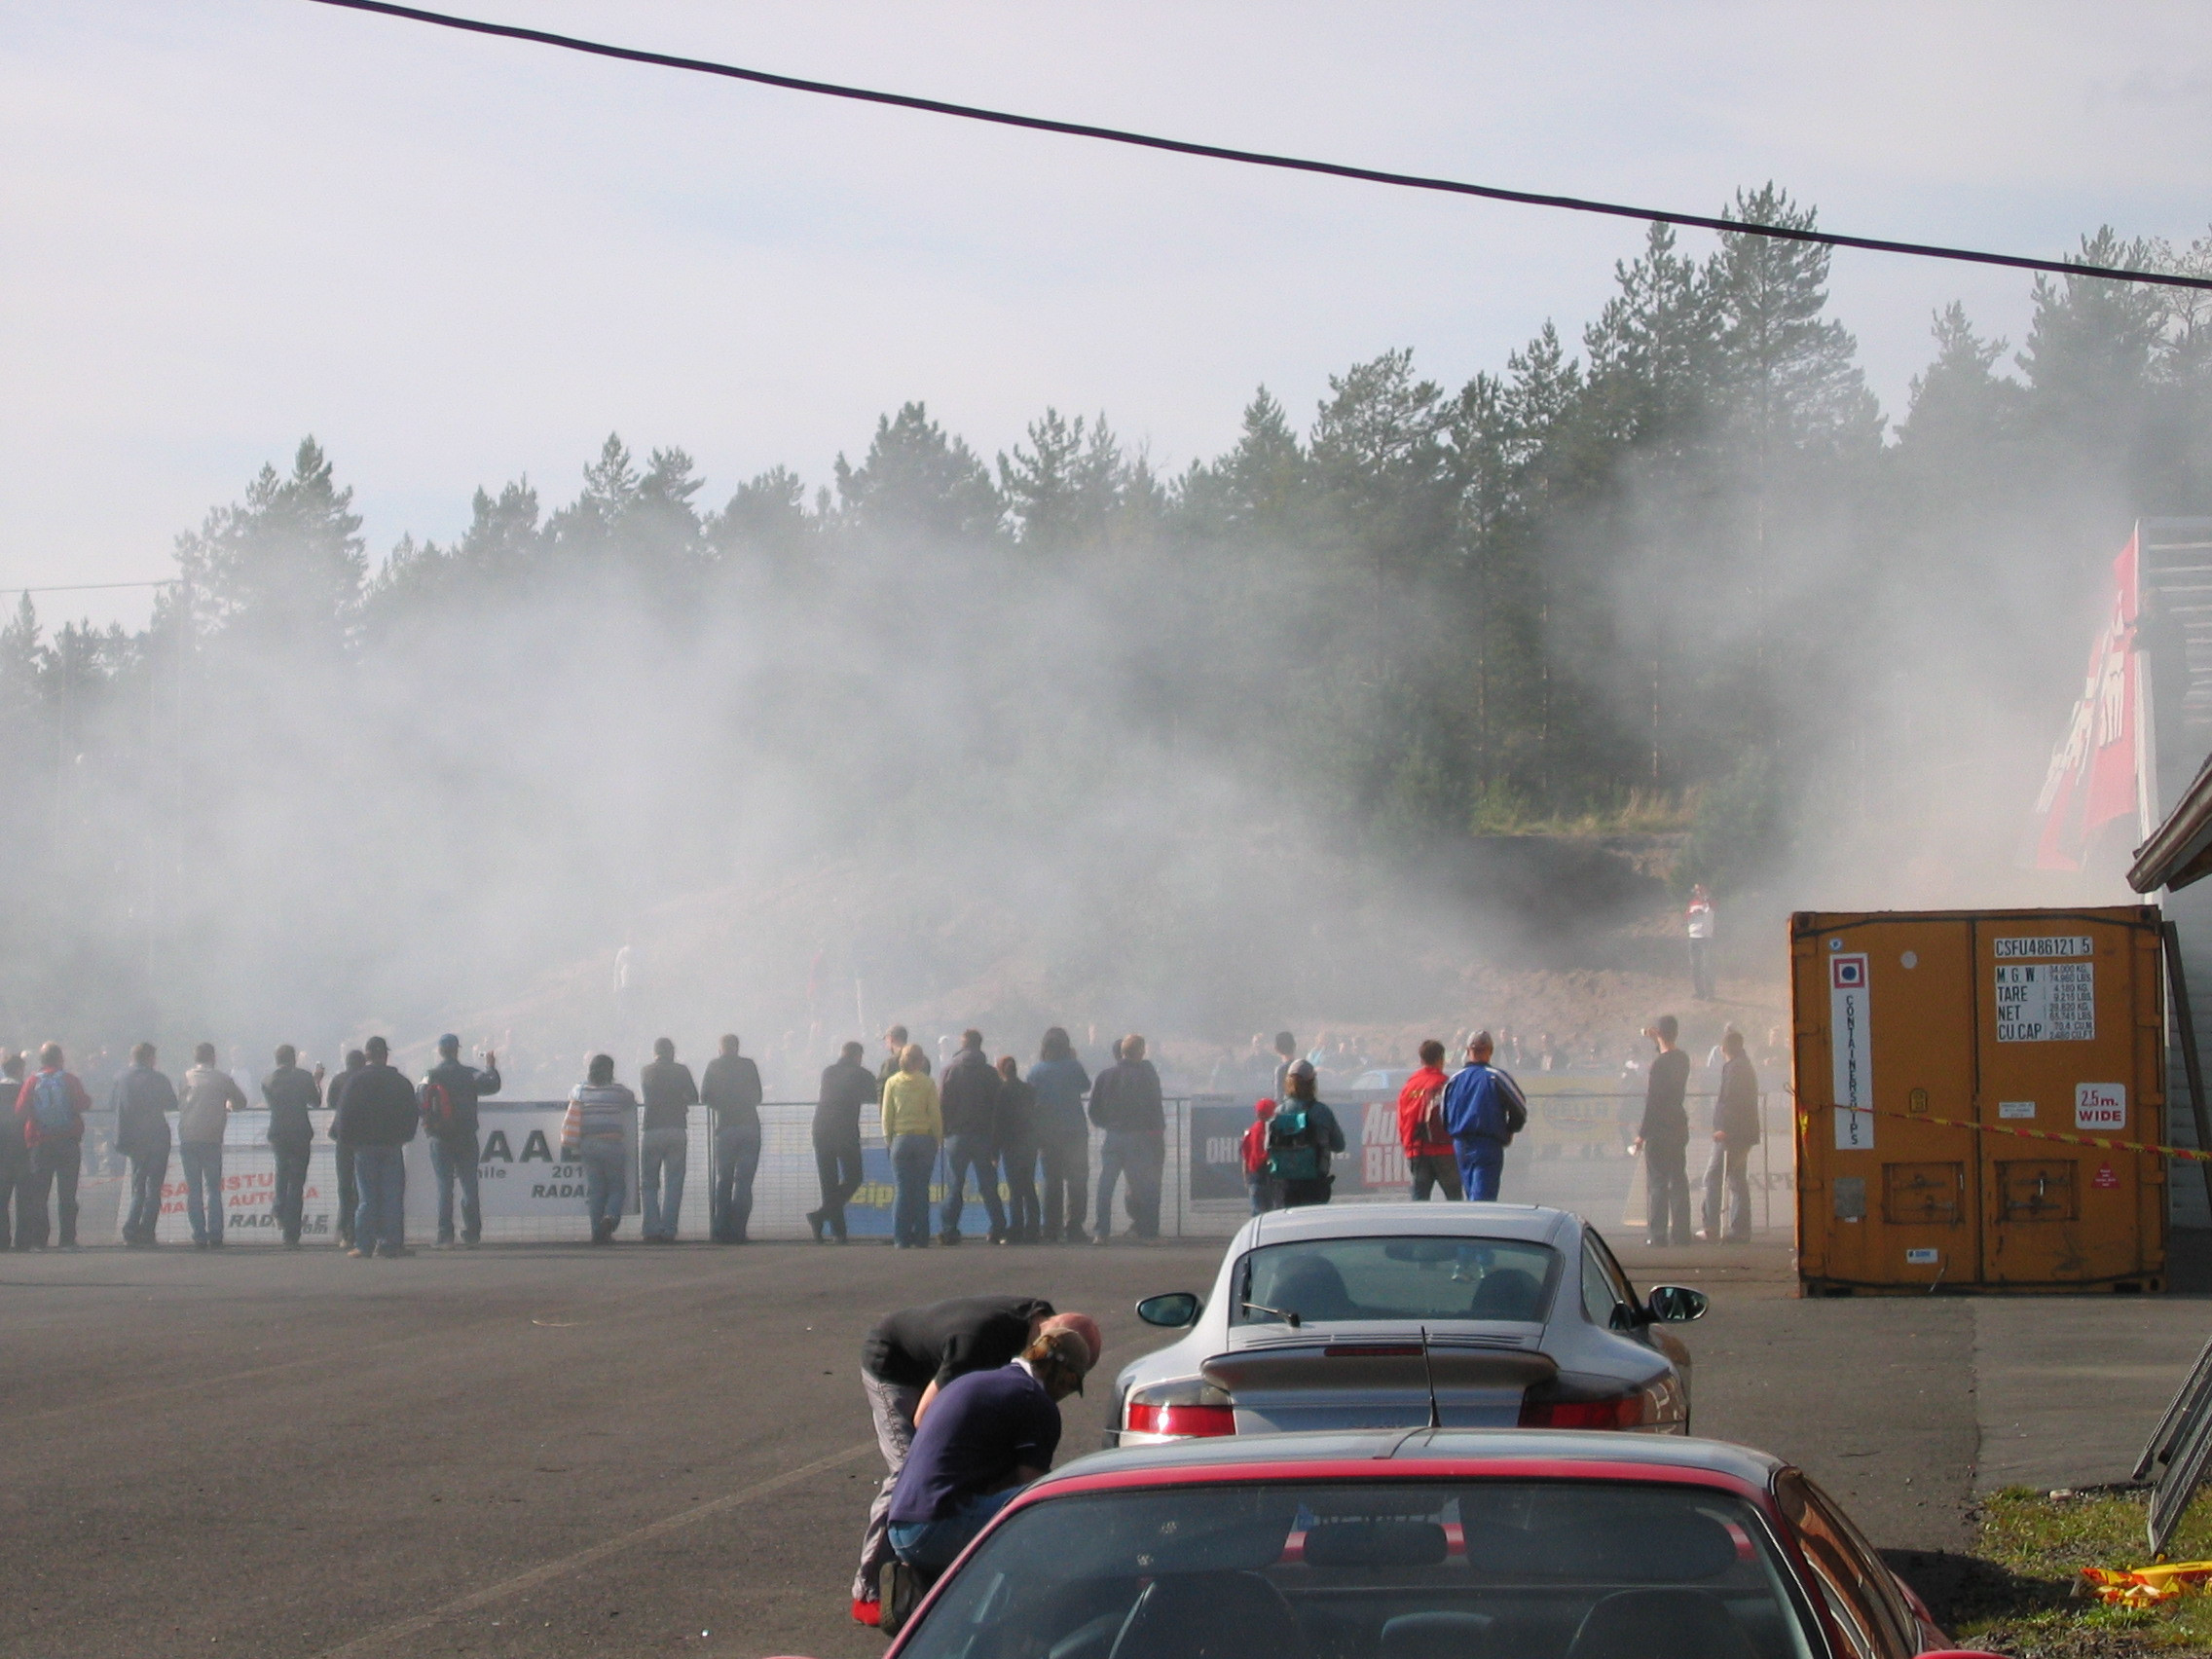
x=1421, y=1127
x=50, y=1107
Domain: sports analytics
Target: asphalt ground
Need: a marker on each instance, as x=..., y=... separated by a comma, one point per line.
x=553, y=1451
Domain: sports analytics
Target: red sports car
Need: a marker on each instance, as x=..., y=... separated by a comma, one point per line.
x=1422, y=1544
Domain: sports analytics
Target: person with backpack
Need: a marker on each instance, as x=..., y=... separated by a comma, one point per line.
x=1484, y=1109
x=448, y=1098
x=342, y=1149
x=1430, y=1157
x=664, y=1139
x=1301, y=1137
x=50, y=1105
x=290, y=1094
x=142, y=1100
x=968, y=1098
x=203, y=1117
x=731, y=1090
x=15, y=1156
x=378, y=1114
x=594, y=1133
x=1254, y=1148
x=1063, y=1136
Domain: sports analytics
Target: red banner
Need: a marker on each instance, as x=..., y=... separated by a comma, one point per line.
x=2093, y=776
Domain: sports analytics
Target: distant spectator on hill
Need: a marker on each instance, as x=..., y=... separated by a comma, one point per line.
x=290, y=1094
x=142, y=1100
x=209, y=1096
x=664, y=1141
x=1698, y=922
x=1063, y=1136
x=731, y=1090
x=52, y=1105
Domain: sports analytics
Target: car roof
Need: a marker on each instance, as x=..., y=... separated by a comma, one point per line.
x=1494, y=1452
x=1534, y=1223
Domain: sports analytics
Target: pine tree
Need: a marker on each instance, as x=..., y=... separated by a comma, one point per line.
x=915, y=481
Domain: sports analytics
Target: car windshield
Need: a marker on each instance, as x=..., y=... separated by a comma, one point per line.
x=1331, y=1280
x=1531, y=1570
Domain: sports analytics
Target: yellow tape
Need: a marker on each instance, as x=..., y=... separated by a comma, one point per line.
x=2187, y=1154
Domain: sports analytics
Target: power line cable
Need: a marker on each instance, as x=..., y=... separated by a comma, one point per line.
x=1263, y=159
x=89, y=587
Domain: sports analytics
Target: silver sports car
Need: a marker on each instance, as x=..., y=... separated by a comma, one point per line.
x=1401, y=1315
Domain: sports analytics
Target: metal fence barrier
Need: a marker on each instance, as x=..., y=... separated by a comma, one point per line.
x=1573, y=1155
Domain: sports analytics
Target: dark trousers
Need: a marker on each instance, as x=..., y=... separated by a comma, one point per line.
x=455, y=1159
x=349, y=1191
x=963, y=1152
x=291, y=1186
x=839, y=1165
x=14, y=1191
x=54, y=1167
x=737, y=1161
x=1667, y=1194
x=1019, y=1159
x=148, y=1170
x=1067, y=1182
x=1432, y=1171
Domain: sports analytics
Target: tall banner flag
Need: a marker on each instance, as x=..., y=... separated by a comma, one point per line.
x=2094, y=778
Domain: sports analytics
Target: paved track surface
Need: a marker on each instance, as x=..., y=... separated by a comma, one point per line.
x=564, y=1450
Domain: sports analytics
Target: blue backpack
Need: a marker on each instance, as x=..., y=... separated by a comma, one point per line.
x=1294, y=1144
x=52, y=1109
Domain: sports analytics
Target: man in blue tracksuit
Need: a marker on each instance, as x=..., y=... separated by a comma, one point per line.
x=1483, y=1109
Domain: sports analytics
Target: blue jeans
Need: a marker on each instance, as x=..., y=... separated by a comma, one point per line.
x=203, y=1189
x=451, y=1161
x=1480, y=1162
x=913, y=1158
x=963, y=1152
x=380, y=1173
x=603, y=1159
x=1138, y=1155
x=1261, y=1187
x=737, y=1159
x=148, y=1170
x=934, y=1545
x=662, y=1153
x=291, y=1183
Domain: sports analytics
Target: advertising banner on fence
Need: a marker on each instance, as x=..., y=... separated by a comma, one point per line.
x=248, y=1192
x=519, y=1170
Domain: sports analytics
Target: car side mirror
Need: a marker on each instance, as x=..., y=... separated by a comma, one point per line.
x=1175, y=1310
x=1675, y=1304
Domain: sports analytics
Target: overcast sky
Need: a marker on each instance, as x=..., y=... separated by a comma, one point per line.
x=457, y=260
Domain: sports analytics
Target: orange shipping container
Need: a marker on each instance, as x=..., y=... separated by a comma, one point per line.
x=1911, y=1027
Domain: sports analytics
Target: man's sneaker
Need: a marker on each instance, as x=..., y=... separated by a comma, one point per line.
x=1098, y=1239
x=357, y=1256
x=869, y=1613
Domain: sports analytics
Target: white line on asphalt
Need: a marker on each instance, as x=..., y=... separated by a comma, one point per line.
x=585, y=1557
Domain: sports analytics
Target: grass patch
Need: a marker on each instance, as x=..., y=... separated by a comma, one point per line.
x=2019, y=1599
x=1502, y=810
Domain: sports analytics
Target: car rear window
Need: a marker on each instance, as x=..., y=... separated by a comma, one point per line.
x=1334, y=1280
x=1536, y=1569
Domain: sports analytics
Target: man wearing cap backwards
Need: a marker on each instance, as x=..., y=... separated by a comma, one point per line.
x=449, y=1094
x=908, y=1362
x=985, y=1436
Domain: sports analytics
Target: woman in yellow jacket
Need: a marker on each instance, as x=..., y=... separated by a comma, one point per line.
x=912, y=1128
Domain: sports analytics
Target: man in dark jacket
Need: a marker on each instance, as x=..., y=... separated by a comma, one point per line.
x=342, y=1149
x=142, y=1100
x=969, y=1096
x=731, y=1090
x=664, y=1139
x=14, y=1154
x=1664, y=1137
x=1014, y=1130
x=894, y=1050
x=378, y=1114
x=1059, y=1084
x=1735, y=1131
x=290, y=1094
x=1125, y=1103
x=448, y=1096
x=847, y=1088
x=50, y=1106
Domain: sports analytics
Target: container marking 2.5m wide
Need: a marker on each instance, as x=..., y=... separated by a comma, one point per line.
x=1912, y=1027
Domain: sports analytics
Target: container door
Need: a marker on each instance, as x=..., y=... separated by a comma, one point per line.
x=2063, y=1038
x=1895, y=1199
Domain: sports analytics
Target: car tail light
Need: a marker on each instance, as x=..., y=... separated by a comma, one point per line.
x=1189, y=1407
x=1547, y=1407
